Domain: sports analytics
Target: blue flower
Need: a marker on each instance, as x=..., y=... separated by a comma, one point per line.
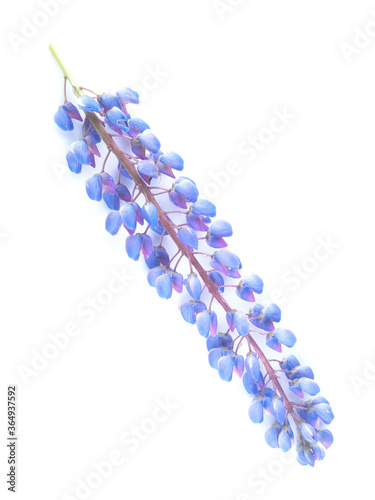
x=214, y=356
x=264, y=317
x=138, y=149
x=207, y=323
x=227, y=263
x=249, y=383
x=113, y=222
x=109, y=101
x=193, y=286
x=252, y=366
x=278, y=410
x=112, y=200
x=158, y=257
x=81, y=151
x=190, y=309
x=148, y=168
x=221, y=228
x=63, y=120
x=248, y=286
x=225, y=368
x=215, y=241
x=308, y=432
x=284, y=439
x=170, y=161
x=89, y=104
x=219, y=340
x=94, y=187
x=272, y=436
x=186, y=188
x=136, y=127
x=204, y=207
x=256, y=411
x=149, y=141
x=150, y=214
x=289, y=363
x=301, y=371
x=127, y=96
x=147, y=245
x=164, y=286
x=133, y=246
x=123, y=193
x=302, y=385
x=117, y=117
x=286, y=337
x=74, y=165
x=127, y=213
x=108, y=182
x=226, y=350
x=324, y=412
x=325, y=437
x=73, y=111
x=239, y=365
x=194, y=220
x=241, y=322
x=188, y=236
x=217, y=279
x=138, y=243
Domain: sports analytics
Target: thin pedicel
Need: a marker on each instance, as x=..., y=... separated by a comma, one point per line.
x=107, y=119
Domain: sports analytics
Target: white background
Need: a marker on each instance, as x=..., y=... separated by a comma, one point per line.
x=221, y=77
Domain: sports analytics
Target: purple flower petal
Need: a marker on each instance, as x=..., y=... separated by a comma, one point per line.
x=108, y=182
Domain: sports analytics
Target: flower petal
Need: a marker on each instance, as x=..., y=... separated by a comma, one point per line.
x=286, y=337
x=204, y=207
x=63, y=120
x=256, y=412
x=221, y=228
x=164, y=286
x=133, y=246
x=94, y=187
x=113, y=222
x=127, y=213
x=89, y=104
x=74, y=165
x=188, y=236
x=108, y=182
x=172, y=160
x=127, y=95
x=225, y=368
x=149, y=141
x=81, y=151
x=241, y=323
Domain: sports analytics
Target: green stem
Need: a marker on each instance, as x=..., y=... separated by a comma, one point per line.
x=76, y=88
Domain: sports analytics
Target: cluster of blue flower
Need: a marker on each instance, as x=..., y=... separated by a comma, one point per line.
x=294, y=418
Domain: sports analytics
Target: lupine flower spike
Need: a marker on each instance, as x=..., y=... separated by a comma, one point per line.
x=148, y=183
